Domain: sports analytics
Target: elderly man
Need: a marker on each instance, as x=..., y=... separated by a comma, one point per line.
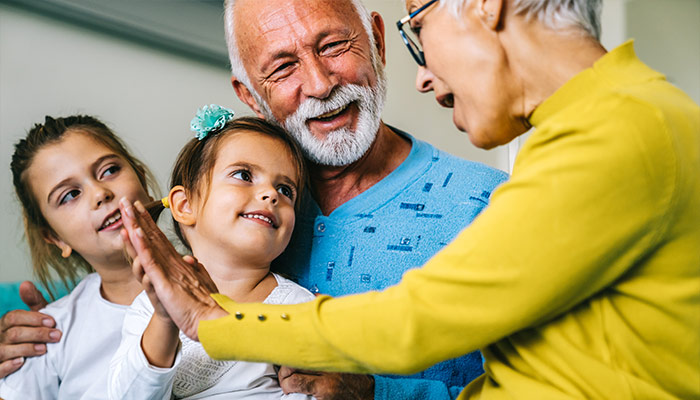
x=382, y=201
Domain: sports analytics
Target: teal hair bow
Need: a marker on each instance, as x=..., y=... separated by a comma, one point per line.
x=210, y=119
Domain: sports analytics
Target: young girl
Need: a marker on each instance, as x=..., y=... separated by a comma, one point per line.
x=233, y=196
x=69, y=174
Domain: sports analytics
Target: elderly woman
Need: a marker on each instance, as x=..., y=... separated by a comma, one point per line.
x=581, y=279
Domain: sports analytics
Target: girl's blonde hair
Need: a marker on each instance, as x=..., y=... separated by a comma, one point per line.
x=46, y=256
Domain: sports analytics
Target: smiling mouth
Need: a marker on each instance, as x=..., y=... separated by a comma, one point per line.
x=111, y=220
x=260, y=218
x=331, y=114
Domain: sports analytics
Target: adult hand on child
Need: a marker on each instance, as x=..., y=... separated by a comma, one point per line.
x=25, y=333
x=181, y=285
x=326, y=385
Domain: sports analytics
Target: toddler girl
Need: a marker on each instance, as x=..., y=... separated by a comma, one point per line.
x=69, y=174
x=233, y=196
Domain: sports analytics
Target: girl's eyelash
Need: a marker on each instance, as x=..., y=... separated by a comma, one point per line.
x=242, y=171
x=111, y=167
x=62, y=200
x=292, y=191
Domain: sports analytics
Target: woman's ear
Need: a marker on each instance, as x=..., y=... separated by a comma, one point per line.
x=181, y=207
x=490, y=12
x=51, y=238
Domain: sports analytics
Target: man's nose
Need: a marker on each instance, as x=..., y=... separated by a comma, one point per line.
x=424, y=79
x=319, y=81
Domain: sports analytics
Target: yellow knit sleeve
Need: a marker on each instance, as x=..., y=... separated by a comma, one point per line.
x=582, y=206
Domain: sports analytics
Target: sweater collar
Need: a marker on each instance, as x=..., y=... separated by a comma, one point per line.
x=619, y=66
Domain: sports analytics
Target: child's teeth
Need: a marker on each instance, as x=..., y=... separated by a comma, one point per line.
x=268, y=220
x=112, y=220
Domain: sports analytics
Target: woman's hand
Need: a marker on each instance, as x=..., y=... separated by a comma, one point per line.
x=181, y=285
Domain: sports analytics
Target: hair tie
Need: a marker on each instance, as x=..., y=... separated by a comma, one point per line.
x=209, y=120
x=165, y=202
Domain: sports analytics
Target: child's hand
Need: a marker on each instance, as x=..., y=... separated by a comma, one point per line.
x=182, y=285
x=158, y=308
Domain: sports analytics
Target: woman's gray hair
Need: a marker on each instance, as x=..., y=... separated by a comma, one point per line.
x=234, y=54
x=556, y=14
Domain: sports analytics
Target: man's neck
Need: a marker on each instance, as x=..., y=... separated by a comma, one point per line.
x=333, y=186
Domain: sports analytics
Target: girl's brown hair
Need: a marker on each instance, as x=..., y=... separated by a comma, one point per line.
x=196, y=160
x=47, y=256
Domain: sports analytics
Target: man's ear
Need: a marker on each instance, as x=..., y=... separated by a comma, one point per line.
x=378, y=32
x=490, y=12
x=51, y=238
x=180, y=206
x=244, y=94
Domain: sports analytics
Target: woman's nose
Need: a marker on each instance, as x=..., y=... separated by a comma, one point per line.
x=424, y=80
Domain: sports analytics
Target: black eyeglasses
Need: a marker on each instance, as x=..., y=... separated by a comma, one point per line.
x=410, y=36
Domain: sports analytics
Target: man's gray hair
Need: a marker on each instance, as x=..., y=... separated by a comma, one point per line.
x=583, y=15
x=234, y=54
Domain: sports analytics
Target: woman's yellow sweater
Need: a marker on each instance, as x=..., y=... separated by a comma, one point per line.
x=580, y=280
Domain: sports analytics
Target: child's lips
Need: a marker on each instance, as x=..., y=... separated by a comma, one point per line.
x=111, y=222
x=262, y=217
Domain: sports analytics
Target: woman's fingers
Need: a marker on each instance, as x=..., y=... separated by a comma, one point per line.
x=148, y=286
x=152, y=232
x=181, y=285
x=137, y=269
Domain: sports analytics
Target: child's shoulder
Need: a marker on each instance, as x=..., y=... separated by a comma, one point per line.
x=288, y=292
x=88, y=286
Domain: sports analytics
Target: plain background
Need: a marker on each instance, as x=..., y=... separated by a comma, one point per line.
x=50, y=65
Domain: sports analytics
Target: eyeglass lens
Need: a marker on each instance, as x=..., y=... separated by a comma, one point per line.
x=411, y=40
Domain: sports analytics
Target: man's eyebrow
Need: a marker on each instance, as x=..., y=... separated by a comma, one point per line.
x=292, y=53
x=279, y=54
x=345, y=31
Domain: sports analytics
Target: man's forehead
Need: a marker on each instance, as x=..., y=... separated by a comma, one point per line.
x=254, y=18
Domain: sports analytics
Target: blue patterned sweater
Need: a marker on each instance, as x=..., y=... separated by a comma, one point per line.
x=398, y=224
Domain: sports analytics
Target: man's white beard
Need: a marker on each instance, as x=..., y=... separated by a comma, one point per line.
x=342, y=146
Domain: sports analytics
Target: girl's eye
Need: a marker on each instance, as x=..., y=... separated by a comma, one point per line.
x=285, y=190
x=69, y=196
x=112, y=169
x=242, y=175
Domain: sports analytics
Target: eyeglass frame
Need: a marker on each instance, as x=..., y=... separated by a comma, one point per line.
x=410, y=44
